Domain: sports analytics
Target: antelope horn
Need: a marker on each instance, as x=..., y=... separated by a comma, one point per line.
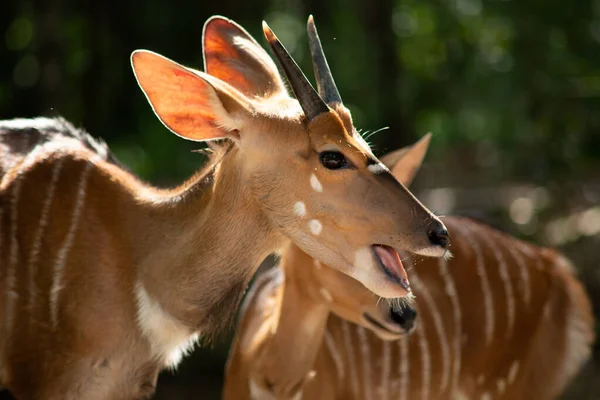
x=325, y=83
x=309, y=99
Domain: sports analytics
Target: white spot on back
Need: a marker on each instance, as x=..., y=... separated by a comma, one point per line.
x=169, y=339
x=300, y=209
x=317, y=264
x=486, y=396
x=315, y=183
x=315, y=226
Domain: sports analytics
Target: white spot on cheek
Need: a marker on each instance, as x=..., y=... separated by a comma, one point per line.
x=315, y=184
x=317, y=264
x=300, y=209
x=315, y=226
x=377, y=169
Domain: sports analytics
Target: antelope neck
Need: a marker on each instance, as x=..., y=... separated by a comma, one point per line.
x=202, y=244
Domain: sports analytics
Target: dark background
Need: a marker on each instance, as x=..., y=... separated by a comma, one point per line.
x=509, y=88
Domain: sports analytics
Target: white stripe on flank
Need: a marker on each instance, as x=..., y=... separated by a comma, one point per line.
x=335, y=354
x=366, y=362
x=63, y=252
x=450, y=288
x=404, y=368
x=385, y=369
x=488, y=300
x=512, y=372
x=503, y=272
x=11, y=293
x=524, y=272
x=352, y=362
x=439, y=327
x=37, y=241
x=425, y=362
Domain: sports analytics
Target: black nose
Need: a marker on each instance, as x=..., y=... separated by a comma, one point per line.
x=439, y=236
x=404, y=317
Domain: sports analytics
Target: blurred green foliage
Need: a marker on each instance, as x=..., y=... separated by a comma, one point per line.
x=519, y=80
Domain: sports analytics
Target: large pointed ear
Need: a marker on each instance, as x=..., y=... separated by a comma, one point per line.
x=191, y=104
x=233, y=56
x=404, y=163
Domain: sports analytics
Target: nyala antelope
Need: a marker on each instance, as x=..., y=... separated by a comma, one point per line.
x=105, y=280
x=502, y=319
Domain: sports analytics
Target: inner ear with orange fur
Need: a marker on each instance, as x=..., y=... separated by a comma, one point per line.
x=192, y=104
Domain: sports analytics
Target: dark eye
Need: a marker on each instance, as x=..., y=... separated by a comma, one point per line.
x=333, y=160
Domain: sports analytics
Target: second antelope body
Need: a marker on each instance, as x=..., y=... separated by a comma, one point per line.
x=502, y=319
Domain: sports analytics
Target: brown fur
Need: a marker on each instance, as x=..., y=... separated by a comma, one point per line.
x=551, y=337
x=120, y=277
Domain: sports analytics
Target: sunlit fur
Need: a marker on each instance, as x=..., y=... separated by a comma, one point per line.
x=449, y=355
x=124, y=277
x=446, y=357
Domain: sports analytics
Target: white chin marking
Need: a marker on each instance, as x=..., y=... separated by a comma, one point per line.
x=377, y=169
x=300, y=209
x=315, y=226
x=315, y=184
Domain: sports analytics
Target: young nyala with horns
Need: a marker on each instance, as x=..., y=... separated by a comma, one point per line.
x=105, y=280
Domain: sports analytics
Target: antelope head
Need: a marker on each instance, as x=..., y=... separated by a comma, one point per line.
x=389, y=319
x=300, y=160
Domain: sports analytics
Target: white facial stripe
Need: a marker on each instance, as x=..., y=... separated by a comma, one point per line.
x=377, y=169
x=300, y=209
x=315, y=226
x=315, y=184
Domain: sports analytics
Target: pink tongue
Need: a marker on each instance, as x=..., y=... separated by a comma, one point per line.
x=391, y=260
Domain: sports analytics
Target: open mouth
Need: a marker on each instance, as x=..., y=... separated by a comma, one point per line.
x=376, y=323
x=390, y=263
